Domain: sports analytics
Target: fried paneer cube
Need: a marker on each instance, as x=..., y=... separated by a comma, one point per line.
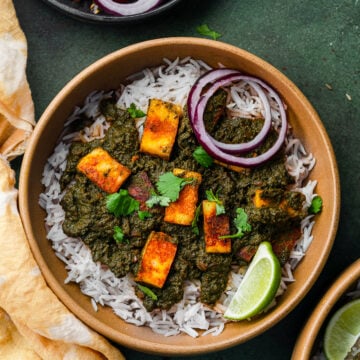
x=103, y=170
x=182, y=211
x=290, y=202
x=215, y=226
x=157, y=257
x=260, y=201
x=160, y=128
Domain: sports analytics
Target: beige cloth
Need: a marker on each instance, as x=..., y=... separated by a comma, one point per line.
x=34, y=324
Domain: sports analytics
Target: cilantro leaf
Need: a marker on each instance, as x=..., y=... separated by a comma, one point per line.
x=206, y=31
x=241, y=224
x=144, y=215
x=316, y=205
x=202, y=157
x=170, y=185
x=134, y=112
x=220, y=209
x=156, y=199
x=194, y=225
x=121, y=203
x=118, y=234
x=147, y=292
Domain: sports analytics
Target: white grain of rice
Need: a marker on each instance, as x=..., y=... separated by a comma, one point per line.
x=170, y=82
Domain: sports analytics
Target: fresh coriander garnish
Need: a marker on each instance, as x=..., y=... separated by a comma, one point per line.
x=121, y=203
x=135, y=112
x=206, y=31
x=170, y=185
x=194, y=225
x=147, y=292
x=144, y=214
x=316, y=205
x=220, y=209
x=202, y=157
x=241, y=224
x=156, y=199
x=118, y=234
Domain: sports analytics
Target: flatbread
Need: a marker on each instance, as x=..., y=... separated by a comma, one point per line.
x=16, y=105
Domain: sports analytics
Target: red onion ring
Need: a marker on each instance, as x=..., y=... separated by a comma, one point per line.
x=137, y=7
x=201, y=82
x=259, y=138
x=213, y=150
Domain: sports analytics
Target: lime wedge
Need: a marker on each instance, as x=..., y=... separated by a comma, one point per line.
x=258, y=287
x=342, y=331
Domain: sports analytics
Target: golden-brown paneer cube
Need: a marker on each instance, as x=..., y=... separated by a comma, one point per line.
x=160, y=128
x=258, y=201
x=182, y=211
x=293, y=203
x=215, y=226
x=157, y=257
x=103, y=170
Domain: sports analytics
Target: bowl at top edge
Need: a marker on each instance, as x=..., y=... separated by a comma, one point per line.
x=107, y=73
x=81, y=11
x=310, y=339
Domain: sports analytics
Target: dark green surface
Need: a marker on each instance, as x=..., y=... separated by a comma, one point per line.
x=313, y=42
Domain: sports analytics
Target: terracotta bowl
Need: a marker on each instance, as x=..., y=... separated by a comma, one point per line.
x=108, y=73
x=307, y=343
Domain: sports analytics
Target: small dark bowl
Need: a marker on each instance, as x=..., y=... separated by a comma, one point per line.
x=81, y=11
x=312, y=332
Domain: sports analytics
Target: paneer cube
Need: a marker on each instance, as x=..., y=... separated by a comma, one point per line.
x=103, y=170
x=284, y=243
x=160, y=128
x=157, y=257
x=259, y=201
x=293, y=203
x=215, y=226
x=290, y=202
x=182, y=211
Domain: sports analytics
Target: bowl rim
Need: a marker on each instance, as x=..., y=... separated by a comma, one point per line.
x=143, y=345
x=305, y=342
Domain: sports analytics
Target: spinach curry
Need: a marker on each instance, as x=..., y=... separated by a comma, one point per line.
x=87, y=217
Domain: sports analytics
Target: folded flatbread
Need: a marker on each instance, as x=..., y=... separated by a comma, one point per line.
x=34, y=324
x=16, y=105
x=46, y=326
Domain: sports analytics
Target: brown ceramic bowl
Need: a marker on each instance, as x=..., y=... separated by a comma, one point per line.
x=311, y=334
x=108, y=73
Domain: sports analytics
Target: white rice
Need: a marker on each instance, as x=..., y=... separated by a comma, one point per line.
x=170, y=82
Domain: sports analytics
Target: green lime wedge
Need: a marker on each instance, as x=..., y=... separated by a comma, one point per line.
x=342, y=331
x=258, y=287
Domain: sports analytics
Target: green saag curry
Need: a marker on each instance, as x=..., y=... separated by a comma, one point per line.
x=88, y=218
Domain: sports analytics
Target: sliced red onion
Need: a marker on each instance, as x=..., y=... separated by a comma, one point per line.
x=137, y=7
x=213, y=150
x=259, y=138
x=201, y=82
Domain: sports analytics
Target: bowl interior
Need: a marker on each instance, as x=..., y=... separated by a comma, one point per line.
x=108, y=73
x=313, y=329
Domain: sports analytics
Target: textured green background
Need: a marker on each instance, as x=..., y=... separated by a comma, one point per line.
x=313, y=42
